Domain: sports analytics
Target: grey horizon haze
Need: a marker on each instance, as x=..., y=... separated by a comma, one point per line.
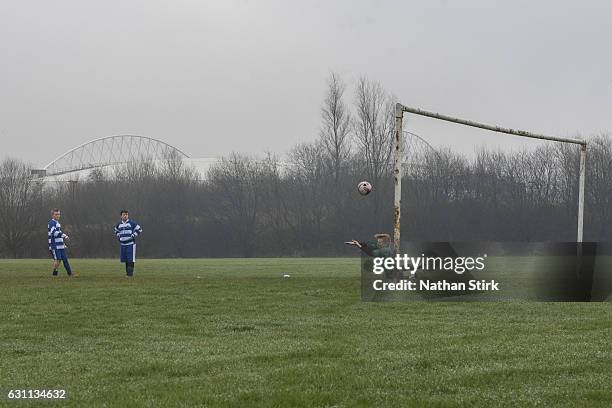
x=216, y=77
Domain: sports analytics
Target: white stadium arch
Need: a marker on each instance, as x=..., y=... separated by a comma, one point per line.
x=109, y=151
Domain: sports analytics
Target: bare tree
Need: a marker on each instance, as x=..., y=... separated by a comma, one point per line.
x=309, y=202
x=335, y=127
x=599, y=188
x=374, y=127
x=19, y=197
x=236, y=181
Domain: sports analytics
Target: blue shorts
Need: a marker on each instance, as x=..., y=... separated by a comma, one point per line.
x=128, y=253
x=59, y=254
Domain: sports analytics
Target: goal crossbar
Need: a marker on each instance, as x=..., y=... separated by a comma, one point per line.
x=397, y=173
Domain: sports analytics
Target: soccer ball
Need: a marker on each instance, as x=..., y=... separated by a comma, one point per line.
x=364, y=188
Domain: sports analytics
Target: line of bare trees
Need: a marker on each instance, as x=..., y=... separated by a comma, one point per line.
x=306, y=203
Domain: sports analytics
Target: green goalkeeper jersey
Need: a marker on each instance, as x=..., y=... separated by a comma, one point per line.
x=373, y=249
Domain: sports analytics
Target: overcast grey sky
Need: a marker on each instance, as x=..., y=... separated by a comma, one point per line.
x=213, y=77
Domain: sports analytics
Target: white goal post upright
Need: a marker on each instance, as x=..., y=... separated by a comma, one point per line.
x=397, y=171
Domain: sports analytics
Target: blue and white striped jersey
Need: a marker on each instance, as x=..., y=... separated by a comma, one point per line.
x=56, y=235
x=127, y=232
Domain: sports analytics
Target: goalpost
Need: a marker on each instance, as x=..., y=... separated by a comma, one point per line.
x=397, y=171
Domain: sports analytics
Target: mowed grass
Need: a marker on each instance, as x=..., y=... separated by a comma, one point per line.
x=234, y=332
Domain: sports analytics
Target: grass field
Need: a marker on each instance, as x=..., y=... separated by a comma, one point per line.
x=235, y=333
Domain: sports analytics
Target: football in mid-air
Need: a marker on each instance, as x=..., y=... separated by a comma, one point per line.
x=364, y=188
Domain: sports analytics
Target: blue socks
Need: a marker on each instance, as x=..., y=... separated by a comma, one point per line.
x=67, y=266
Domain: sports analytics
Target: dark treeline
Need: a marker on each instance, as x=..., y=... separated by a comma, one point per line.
x=306, y=202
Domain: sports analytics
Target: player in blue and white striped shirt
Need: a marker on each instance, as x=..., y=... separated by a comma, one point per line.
x=57, y=246
x=127, y=231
